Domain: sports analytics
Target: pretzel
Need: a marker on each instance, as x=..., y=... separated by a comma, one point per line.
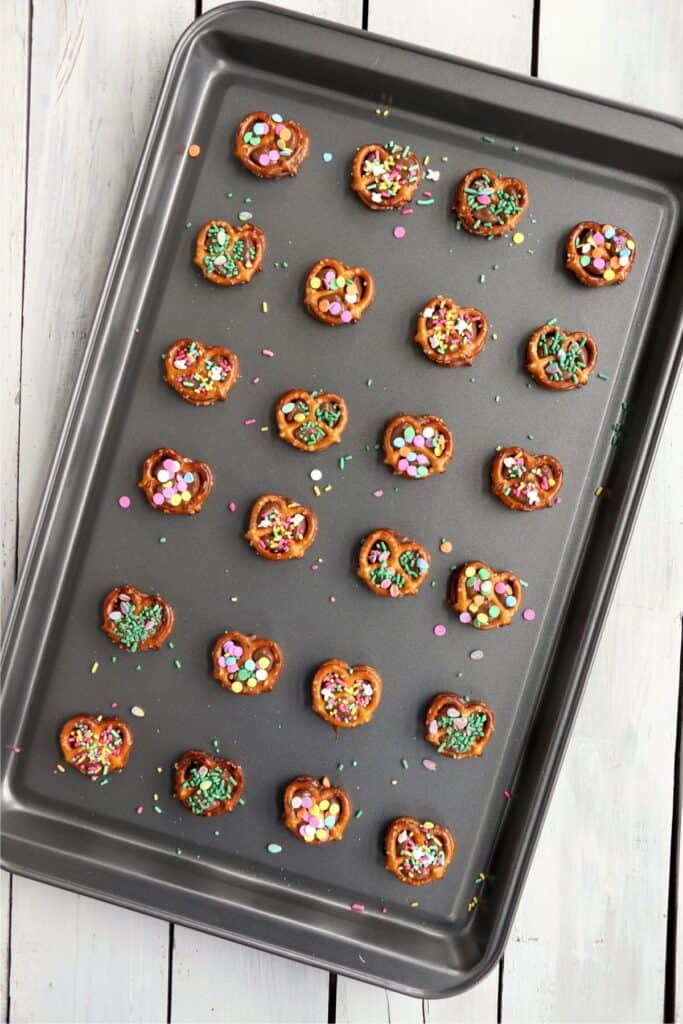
x=525, y=482
x=136, y=621
x=599, y=254
x=345, y=696
x=315, y=812
x=207, y=785
x=174, y=484
x=385, y=177
x=418, y=852
x=311, y=420
x=201, y=375
x=246, y=664
x=459, y=728
x=561, y=361
x=269, y=146
x=449, y=334
x=417, y=446
x=486, y=204
x=229, y=255
x=392, y=565
x=280, y=528
x=484, y=598
x=337, y=294
x=95, y=745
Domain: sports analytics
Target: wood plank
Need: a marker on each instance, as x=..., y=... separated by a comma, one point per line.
x=344, y=12
x=95, y=73
x=597, y=952
x=84, y=960
x=14, y=55
x=5, y=925
x=439, y=25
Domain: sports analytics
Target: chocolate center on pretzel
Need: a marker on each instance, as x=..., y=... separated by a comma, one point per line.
x=245, y=672
x=458, y=733
x=172, y=484
x=527, y=483
x=484, y=597
x=198, y=373
x=281, y=528
x=411, y=565
x=419, y=853
x=93, y=749
x=310, y=427
x=134, y=627
x=345, y=696
x=272, y=143
x=316, y=814
x=386, y=171
x=207, y=786
x=604, y=251
x=450, y=329
x=566, y=358
x=225, y=255
x=415, y=446
x=347, y=291
x=491, y=204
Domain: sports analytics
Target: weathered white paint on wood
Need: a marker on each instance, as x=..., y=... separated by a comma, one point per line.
x=344, y=12
x=84, y=960
x=95, y=73
x=217, y=980
x=589, y=942
x=5, y=925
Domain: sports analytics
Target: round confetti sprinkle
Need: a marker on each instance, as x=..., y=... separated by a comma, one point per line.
x=476, y=655
x=194, y=150
x=316, y=474
x=124, y=501
x=232, y=506
x=377, y=494
x=274, y=848
x=137, y=711
x=439, y=629
x=529, y=614
x=518, y=238
x=445, y=547
x=327, y=157
x=428, y=764
x=399, y=232
x=360, y=907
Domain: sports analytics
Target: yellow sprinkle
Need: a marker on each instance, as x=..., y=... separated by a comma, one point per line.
x=316, y=490
x=426, y=160
x=264, y=428
x=385, y=113
x=236, y=687
x=234, y=600
x=518, y=238
x=428, y=824
x=444, y=159
x=156, y=796
x=415, y=903
x=94, y=667
x=160, y=769
x=394, y=782
x=598, y=491
x=609, y=275
x=60, y=768
x=137, y=711
x=328, y=488
x=378, y=110
x=264, y=307
x=315, y=282
x=495, y=337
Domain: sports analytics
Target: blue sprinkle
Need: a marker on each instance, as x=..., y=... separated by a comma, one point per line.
x=274, y=848
x=327, y=157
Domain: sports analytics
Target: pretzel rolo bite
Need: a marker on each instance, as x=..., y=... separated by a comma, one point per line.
x=269, y=146
x=337, y=294
x=280, y=528
x=418, y=852
x=417, y=446
x=449, y=334
x=525, y=482
x=458, y=728
x=246, y=664
x=136, y=621
x=311, y=420
x=207, y=785
x=95, y=745
x=392, y=565
x=344, y=695
x=561, y=361
x=174, y=484
x=482, y=597
x=315, y=812
x=200, y=374
x=599, y=254
x=385, y=177
x=487, y=204
x=229, y=255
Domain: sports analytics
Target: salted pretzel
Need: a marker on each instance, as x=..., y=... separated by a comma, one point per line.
x=561, y=361
x=337, y=294
x=246, y=664
x=344, y=695
x=199, y=373
x=207, y=785
x=315, y=812
x=174, y=484
x=418, y=853
x=136, y=621
x=417, y=446
x=94, y=745
x=525, y=482
x=457, y=727
x=486, y=204
x=599, y=254
x=269, y=146
x=229, y=255
x=449, y=334
x=385, y=177
x=484, y=598
x=392, y=565
x=280, y=528
x=311, y=420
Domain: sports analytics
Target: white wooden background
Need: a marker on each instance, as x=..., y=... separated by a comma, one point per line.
x=79, y=79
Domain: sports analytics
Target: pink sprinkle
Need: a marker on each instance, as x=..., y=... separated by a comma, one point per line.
x=427, y=194
x=383, y=910
x=114, y=703
x=232, y=506
x=399, y=232
x=314, y=568
x=138, y=810
x=508, y=794
x=406, y=212
x=377, y=494
x=256, y=380
x=16, y=750
x=428, y=764
x=360, y=907
x=267, y=352
x=124, y=501
x=439, y=629
x=529, y=614
x=332, y=599
x=249, y=423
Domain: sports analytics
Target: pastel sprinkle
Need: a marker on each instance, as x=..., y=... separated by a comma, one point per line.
x=124, y=501
x=440, y=629
x=266, y=351
x=316, y=474
x=377, y=494
x=476, y=655
x=359, y=907
x=249, y=423
x=94, y=667
x=529, y=614
x=139, y=809
x=232, y=506
x=137, y=711
x=518, y=237
x=274, y=848
x=327, y=157
x=399, y=232
x=194, y=150
x=428, y=764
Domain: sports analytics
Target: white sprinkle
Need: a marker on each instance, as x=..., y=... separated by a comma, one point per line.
x=316, y=474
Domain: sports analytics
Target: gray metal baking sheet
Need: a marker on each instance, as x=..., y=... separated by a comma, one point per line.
x=581, y=159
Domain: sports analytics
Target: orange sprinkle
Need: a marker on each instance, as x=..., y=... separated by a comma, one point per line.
x=194, y=150
x=445, y=547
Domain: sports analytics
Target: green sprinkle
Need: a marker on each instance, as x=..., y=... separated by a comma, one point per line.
x=157, y=809
x=488, y=138
x=247, y=199
x=341, y=462
x=551, y=322
x=404, y=763
x=482, y=278
x=340, y=766
x=188, y=223
x=178, y=664
x=171, y=644
x=602, y=376
x=515, y=149
x=178, y=850
x=495, y=266
x=113, y=659
x=285, y=264
x=497, y=399
x=162, y=540
x=369, y=382
x=472, y=380
x=228, y=195
x=358, y=814
x=425, y=202
x=354, y=764
x=241, y=801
